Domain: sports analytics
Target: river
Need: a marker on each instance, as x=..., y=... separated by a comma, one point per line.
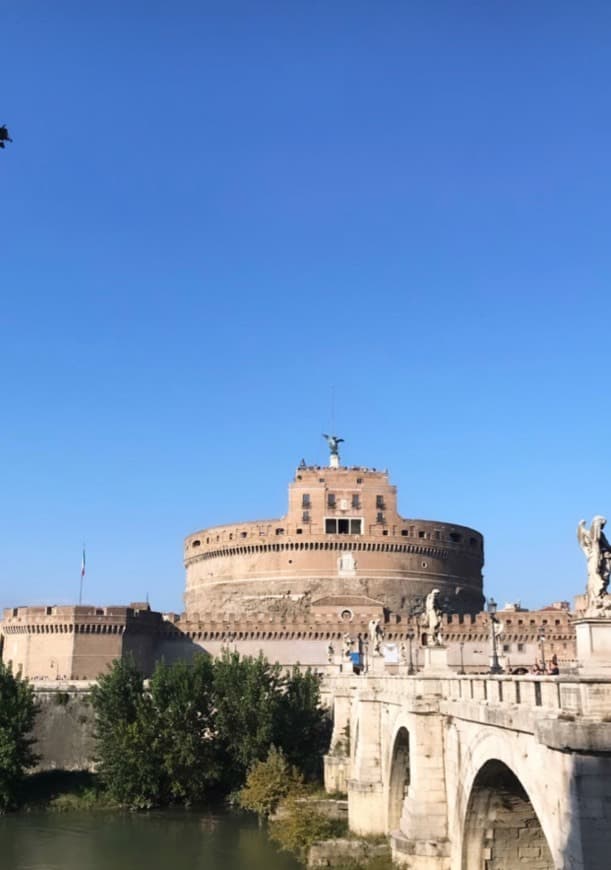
x=165, y=840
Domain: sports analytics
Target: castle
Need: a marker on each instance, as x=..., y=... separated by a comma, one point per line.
x=342, y=536
x=295, y=588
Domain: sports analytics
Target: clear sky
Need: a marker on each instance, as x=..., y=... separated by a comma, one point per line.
x=214, y=212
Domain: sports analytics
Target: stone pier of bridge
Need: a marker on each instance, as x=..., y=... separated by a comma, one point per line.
x=470, y=772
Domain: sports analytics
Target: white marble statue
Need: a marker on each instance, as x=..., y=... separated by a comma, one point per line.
x=376, y=633
x=346, y=645
x=432, y=618
x=595, y=546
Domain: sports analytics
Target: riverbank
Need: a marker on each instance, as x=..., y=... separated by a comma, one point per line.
x=63, y=791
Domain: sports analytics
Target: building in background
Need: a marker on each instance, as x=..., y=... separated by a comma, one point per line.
x=305, y=588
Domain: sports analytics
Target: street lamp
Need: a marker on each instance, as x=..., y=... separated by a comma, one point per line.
x=410, y=667
x=462, y=660
x=495, y=667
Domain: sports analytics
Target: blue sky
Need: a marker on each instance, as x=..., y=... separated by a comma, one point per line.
x=215, y=212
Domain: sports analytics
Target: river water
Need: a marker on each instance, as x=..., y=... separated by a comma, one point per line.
x=165, y=840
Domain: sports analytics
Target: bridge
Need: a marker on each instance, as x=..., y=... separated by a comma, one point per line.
x=470, y=772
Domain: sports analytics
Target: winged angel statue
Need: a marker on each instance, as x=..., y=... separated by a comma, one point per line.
x=595, y=546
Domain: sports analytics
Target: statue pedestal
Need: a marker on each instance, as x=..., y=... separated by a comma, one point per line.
x=593, y=635
x=436, y=660
x=334, y=461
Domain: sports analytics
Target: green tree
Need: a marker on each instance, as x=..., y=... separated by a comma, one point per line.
x=247, y=694
x=182, y=700
x=17, y=717
x=127, y=741
x=303, y=725
x=268, y=782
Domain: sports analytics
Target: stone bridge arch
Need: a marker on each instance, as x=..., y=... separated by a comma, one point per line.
x=512, y=783
x=501, y=828
x=398, y=776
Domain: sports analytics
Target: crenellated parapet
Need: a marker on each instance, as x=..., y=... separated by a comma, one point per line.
x=342, y=534
x=77, y=642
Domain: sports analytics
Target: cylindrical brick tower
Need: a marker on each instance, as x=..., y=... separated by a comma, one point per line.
x=342, y=535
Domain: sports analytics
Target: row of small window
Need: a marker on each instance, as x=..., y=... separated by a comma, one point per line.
x=349, y=526
x=306, y=502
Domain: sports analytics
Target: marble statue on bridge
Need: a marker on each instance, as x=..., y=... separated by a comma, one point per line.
x=597, y=550
x=376, y=633
x=432, y=618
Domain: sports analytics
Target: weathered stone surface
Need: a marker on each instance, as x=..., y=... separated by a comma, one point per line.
x=64, y=731
x=328, y=853
x=459, y=771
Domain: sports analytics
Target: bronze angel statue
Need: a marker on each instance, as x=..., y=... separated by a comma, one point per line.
x=333, y=441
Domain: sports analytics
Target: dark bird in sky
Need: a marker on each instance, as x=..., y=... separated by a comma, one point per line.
x=4, y=136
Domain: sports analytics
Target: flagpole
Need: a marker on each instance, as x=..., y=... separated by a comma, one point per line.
x=80, y=594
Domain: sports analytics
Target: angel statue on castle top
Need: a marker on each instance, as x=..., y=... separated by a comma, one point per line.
x=333, y=441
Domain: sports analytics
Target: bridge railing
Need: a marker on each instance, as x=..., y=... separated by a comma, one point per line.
x=573, y=695
x=507, y=691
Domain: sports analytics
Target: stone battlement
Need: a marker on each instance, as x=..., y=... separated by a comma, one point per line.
x=342, y=534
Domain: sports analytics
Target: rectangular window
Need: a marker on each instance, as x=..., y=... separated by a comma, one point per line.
x=305, y=501
x=330, y=500
x=380, y=517
x=380, y=502
x=356, y=501
x=343, y=526
x=305, y=517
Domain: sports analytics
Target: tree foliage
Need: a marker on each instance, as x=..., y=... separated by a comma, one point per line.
x=126, y=737
x=301, y=825
x=303, y=728
x=17, y=717
x=182, y=699
x=268, y=782
x=202, y=725
x=247, y=699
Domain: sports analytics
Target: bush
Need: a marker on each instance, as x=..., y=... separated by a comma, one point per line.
x=268, y=782
x=17, y=717
x=301, y=825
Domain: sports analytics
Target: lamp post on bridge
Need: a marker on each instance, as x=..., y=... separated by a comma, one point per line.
x=462, y=658
x=410, y=668
x=495, y=667
x=541, y=639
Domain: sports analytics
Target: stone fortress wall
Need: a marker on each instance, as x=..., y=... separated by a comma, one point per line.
x=77, y=642
x=63, y=645
x=342, y=535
